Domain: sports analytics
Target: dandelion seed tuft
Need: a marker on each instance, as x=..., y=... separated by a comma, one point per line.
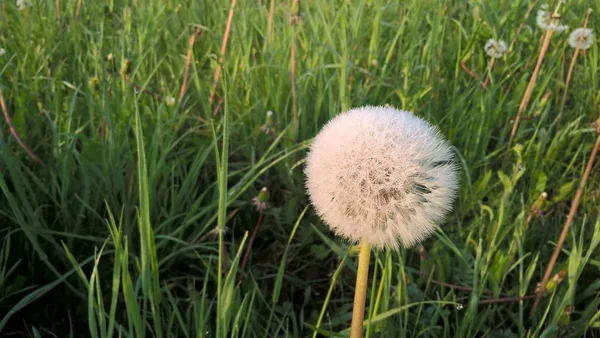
x=382, y=176
x=582, y=36
x=22, y=4
x=214, y=233
x=495, y=48
x=2, y=51
x=547, y=22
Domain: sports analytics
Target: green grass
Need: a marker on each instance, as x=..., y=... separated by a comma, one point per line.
x=121, y=231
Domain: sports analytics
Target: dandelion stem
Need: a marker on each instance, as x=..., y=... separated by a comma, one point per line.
x=571, y=67
x=529, y=89
x=570, y=217
x=249, y=248
x=360, y=292
x=532, y=81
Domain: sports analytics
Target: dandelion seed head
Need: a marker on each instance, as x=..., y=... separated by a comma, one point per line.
x=547, y=22
x=2, y=51
x=381, y=175
x=583, y=36
x=495, y=48
x=22, y=4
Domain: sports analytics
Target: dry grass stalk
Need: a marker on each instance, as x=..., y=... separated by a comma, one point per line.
x=78, y=9
x=532, y=81
x=463, y=65
x=293, y=21
x=570, y=217
x=270, y=22
x=529, y=90
x=571, y=67
x=484, y=84
x=196, y=31
x=211, y=96
x=14, y=132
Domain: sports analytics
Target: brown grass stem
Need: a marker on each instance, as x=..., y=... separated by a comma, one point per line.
x=529, y=90
x=211, y=96
x=293, y=22
x=569, y=220
x=249, y=247
x=188, y=60
x=571, y=67
x=14, y=132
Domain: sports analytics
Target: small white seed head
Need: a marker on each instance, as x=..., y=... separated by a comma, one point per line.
x=582, y=36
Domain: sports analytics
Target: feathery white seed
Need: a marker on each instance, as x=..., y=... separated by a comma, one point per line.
x=495, y=48
x=546, y=22
x=583, y=36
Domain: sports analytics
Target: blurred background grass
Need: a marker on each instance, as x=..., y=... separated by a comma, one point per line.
x=138, y=195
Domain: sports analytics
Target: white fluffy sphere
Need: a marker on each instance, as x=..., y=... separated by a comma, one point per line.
x=381, y=175
x=583, y=36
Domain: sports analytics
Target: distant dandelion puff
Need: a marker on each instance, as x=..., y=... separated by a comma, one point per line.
x=22, y=4
x=2, y=51
x=381, y=175
x=495, y=48
x=583, y=36
x=546, y=22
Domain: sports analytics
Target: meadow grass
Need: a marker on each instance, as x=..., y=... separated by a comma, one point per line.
x=135, y=219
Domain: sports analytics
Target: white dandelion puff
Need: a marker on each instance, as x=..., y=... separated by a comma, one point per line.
x=495, y=48
x=583, y=36
x=547, y=22
x=22, y=4
x=2, y=51
x=381, y=175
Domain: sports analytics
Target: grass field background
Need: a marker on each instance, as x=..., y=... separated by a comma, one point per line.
x=137, y=217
